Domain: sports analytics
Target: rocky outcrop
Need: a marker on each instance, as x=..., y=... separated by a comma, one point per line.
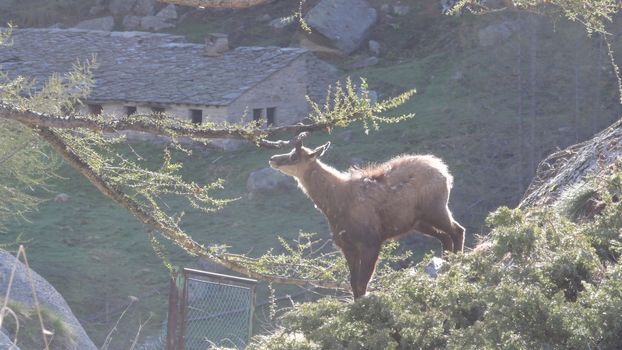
x=144, y=7
x=268, y=179
x=121, y=7
x=6, y=343
x=62, y=198
x=102, y=23
x=169, y=13
x=568, y=168
x=154, y=23
x=346, y=23
x=46, y=294
x=141, y=14
x=131, y=22
x=365, y=62
x=164, y=19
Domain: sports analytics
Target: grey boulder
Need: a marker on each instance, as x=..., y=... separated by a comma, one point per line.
x=168, y=13
x=6, y=343
x=131, y=22
x=144, y=7
x=47, y=295
x=121, y=7
x=102, y=23
x=434, y=266
x=346, y=23
x=267, y=180
x=154, y=23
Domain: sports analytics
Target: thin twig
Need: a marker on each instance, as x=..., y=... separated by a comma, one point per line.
x=140, y=327
x=22, y=251
x=109, y=336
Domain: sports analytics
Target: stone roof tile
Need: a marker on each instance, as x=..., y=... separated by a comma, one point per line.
x=144, y=67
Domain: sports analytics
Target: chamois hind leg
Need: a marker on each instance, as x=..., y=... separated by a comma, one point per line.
x=369, y=256
x=444, y=221
x=446, y=239
x=458, y=236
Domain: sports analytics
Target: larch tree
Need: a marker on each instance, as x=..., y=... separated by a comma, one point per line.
x=39, y=126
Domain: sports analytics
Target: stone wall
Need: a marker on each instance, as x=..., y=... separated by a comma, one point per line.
x=285, y=90
x=181, y=111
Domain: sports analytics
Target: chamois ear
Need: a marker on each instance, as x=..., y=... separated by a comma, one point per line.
x=318, y=152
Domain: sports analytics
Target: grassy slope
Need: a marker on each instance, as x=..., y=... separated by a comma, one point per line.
x=97, y=255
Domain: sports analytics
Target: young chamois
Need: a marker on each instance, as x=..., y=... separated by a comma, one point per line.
x=365, y=207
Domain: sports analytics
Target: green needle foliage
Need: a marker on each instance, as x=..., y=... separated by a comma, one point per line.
x=25, y=164
x=350, y=102
x=25, y=161
x=593, y=14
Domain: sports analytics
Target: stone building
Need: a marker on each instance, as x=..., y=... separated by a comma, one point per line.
x=140, y=72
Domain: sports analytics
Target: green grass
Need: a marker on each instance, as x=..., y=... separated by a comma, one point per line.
x=29, y=334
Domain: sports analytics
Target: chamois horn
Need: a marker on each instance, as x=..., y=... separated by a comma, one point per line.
x=297, y=141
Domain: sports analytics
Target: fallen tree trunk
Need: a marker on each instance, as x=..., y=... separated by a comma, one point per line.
x=570, y=167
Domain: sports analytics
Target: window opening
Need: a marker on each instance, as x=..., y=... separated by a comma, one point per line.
x=257, y=114
x=271, y=116
x=95, y=109
x=197, y=116
x=129, y=110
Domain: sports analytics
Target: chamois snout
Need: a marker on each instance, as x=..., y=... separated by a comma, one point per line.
x=279, y=160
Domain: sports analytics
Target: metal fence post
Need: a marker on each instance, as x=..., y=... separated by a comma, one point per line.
x=173, y=311
x=184, y=306
x=252, y=316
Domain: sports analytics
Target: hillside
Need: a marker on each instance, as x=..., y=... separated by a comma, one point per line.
x=491, y=107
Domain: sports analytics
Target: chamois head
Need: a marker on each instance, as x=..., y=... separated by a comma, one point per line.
x=298, y=159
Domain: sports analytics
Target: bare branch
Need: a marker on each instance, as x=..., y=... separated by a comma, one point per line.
x=223, y=4
x=155, y=125
x=232, y=262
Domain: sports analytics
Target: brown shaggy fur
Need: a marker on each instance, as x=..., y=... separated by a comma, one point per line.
x=365, y=207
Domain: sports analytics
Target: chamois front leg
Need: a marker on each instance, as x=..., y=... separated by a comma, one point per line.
x=354, y=263
x=369, y=253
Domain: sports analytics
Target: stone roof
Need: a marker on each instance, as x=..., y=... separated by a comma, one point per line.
x=144, y=67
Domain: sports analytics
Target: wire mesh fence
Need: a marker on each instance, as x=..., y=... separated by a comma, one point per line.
x=208, y=309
